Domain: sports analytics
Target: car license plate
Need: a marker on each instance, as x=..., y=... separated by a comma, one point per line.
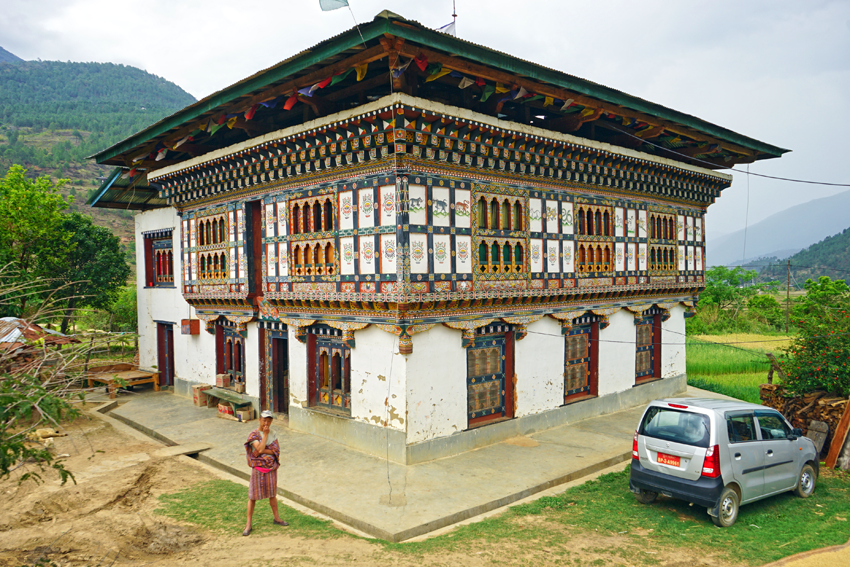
x=664, y=459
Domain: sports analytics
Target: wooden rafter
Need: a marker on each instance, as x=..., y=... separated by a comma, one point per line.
x=476, y=70
x=242, y=105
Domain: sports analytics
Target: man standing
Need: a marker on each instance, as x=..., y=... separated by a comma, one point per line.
x=263, y=453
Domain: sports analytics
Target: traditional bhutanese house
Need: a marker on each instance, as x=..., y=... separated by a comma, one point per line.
x=415, y=245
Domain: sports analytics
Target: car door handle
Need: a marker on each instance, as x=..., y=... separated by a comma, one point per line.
x=770, y=453
x=737, y=456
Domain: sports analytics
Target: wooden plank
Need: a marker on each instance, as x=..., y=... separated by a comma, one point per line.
x=187, y=449
x=838, y=438
x=507, y=79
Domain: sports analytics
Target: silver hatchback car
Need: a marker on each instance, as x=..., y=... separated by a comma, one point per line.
x=719, y=454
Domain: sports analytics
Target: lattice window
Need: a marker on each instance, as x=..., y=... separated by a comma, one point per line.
x=159, y=258
x=577, y=361
x=500, y=212
x=662, y=226
x=486, y=377
x=501, y=256
x=648, y=347
x=662, y=258
x=594, y=220
x=329, y=366
x=594, y=257
x=230, y=354
x=313, y=214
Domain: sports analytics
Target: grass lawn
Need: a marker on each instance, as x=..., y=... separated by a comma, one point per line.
x=601, y=511
x=734, y=365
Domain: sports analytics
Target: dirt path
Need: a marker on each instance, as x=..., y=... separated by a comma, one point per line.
x=107, y=519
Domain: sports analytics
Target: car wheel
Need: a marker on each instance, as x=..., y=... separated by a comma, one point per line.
x=806, y=482
x=727, y=512
x=645, y=496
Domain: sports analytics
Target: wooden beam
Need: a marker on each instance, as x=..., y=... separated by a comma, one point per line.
x=474, y=69
x=366, y=56
x=838, y=438
x=364, y=85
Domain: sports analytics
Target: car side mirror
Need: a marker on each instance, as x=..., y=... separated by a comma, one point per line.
x=795, y=433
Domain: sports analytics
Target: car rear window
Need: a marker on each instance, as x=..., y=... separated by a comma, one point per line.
x=675, y=425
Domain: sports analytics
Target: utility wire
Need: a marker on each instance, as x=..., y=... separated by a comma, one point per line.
x=714, y=165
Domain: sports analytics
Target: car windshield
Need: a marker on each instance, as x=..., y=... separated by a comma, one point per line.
x=676, y=425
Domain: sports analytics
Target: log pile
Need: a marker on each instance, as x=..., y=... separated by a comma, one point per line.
x=801, y=410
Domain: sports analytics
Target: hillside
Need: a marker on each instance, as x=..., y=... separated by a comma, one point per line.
x=783, y=233
x=6, y=57
x=53, y=115
x=829, y=257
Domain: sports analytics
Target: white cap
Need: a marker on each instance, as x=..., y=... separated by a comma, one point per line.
x=267, y=413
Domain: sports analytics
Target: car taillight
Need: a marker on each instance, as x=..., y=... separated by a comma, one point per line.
x=711, y=464
x=635, y=454
x=680, y=406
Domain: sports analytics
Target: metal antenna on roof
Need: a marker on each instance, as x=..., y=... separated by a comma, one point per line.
x=454, y=15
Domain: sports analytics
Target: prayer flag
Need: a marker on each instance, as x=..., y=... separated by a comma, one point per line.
x=328, y=5
x=215, y=128
x=290, y=102
x=250, y=114
x=421, y=62
x=231, y=122
x=341, y=76
x=567, y=104
x=361, y=71
x=479, y=81
x=182, y=141
x=488, y=90
x=521, y=93
x=448, y=28
x=397, y=72
x=222, y=119
x=437, y=75
x=139, y=157
x=270, y=103
x=465, y=82
x=500, y=88
x=161, y=154
x=548, y=101
x=324, y=83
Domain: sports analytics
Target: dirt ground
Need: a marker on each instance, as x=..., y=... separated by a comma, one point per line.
x=107, y=519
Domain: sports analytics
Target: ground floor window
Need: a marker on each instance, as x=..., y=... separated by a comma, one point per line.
x=489, y=374
x=230, y=354
x=581, y=358
x=648, y=346
x=329, y=369
x=159, y=258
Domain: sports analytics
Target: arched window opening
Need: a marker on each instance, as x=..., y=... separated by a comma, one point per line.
x=203, y=269
x=598, y=255
x=517, y=218
x=607, y=258
x=323, y=370
x=329, y=253
x=228, y=356
x=316, y=258
x=494, y=254
x=598, y=226
x=581, y=225
x=237, y=363
x=606, y=220
x=518, y=258
x=223, y=265
x=483, y=262
x=328, y=224
x=506, y=215
x=215, y=239
x=336, y=372
x=215, y=266
x=589, y=222
x=482, y=213
x=581, y=256
x=208, y=230
x=317, y=218
x=221, y=226
x=652, y=259
x=652, y=227
x=494, y=214
x=296, y=219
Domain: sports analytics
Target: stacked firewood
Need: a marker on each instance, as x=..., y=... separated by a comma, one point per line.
x=801, y=410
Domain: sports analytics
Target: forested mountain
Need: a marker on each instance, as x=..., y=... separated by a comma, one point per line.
x=6, y=57
x=829, y=257
x=53, y=115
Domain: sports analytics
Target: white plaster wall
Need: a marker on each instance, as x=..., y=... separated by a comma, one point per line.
x=617, y=345
x=194, y=355
x=436, y=385
x=378, y=374
x=673, y=357
x=251, y=360
x=539, y=368
x=297, y=371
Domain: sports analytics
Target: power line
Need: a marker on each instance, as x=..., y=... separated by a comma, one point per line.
x=713, y=165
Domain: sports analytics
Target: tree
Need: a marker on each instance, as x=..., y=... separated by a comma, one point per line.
x=95, y=269
x=818, y=357
x=31, y=228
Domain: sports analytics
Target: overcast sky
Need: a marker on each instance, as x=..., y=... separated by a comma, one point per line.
x=774, y=70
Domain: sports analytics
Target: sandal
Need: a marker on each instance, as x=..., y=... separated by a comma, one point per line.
x=280, y=523
x=246, y=532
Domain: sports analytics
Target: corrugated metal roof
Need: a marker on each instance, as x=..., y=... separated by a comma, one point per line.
x=389, y=23
x=117, y=192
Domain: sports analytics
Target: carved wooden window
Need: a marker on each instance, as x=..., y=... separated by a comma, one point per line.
x=230, y=354
x=662, y=258
x=594, y=257
x=159, y=258
x=314, y=254
x=648, y=347
x=313, y=258
x=329, y=368
x=662, y=226
x=501, y=256
x=581, y=358
x=489, y=374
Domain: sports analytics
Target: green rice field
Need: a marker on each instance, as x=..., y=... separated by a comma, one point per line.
x=733, y=365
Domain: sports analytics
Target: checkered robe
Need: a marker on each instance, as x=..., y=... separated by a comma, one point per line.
x=263, y=485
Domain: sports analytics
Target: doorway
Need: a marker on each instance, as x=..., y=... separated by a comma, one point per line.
x=280, y=374
x=165, y=353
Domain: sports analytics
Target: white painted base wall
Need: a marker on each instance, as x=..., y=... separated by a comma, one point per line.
x=424, y=393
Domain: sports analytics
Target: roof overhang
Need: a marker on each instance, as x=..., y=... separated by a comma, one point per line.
x=127, y=193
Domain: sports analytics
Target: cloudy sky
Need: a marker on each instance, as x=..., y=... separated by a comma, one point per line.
x=774, y=70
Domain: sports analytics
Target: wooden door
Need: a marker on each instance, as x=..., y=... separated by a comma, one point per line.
x=280, y=375
x=165, y=353
x=489, y=381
